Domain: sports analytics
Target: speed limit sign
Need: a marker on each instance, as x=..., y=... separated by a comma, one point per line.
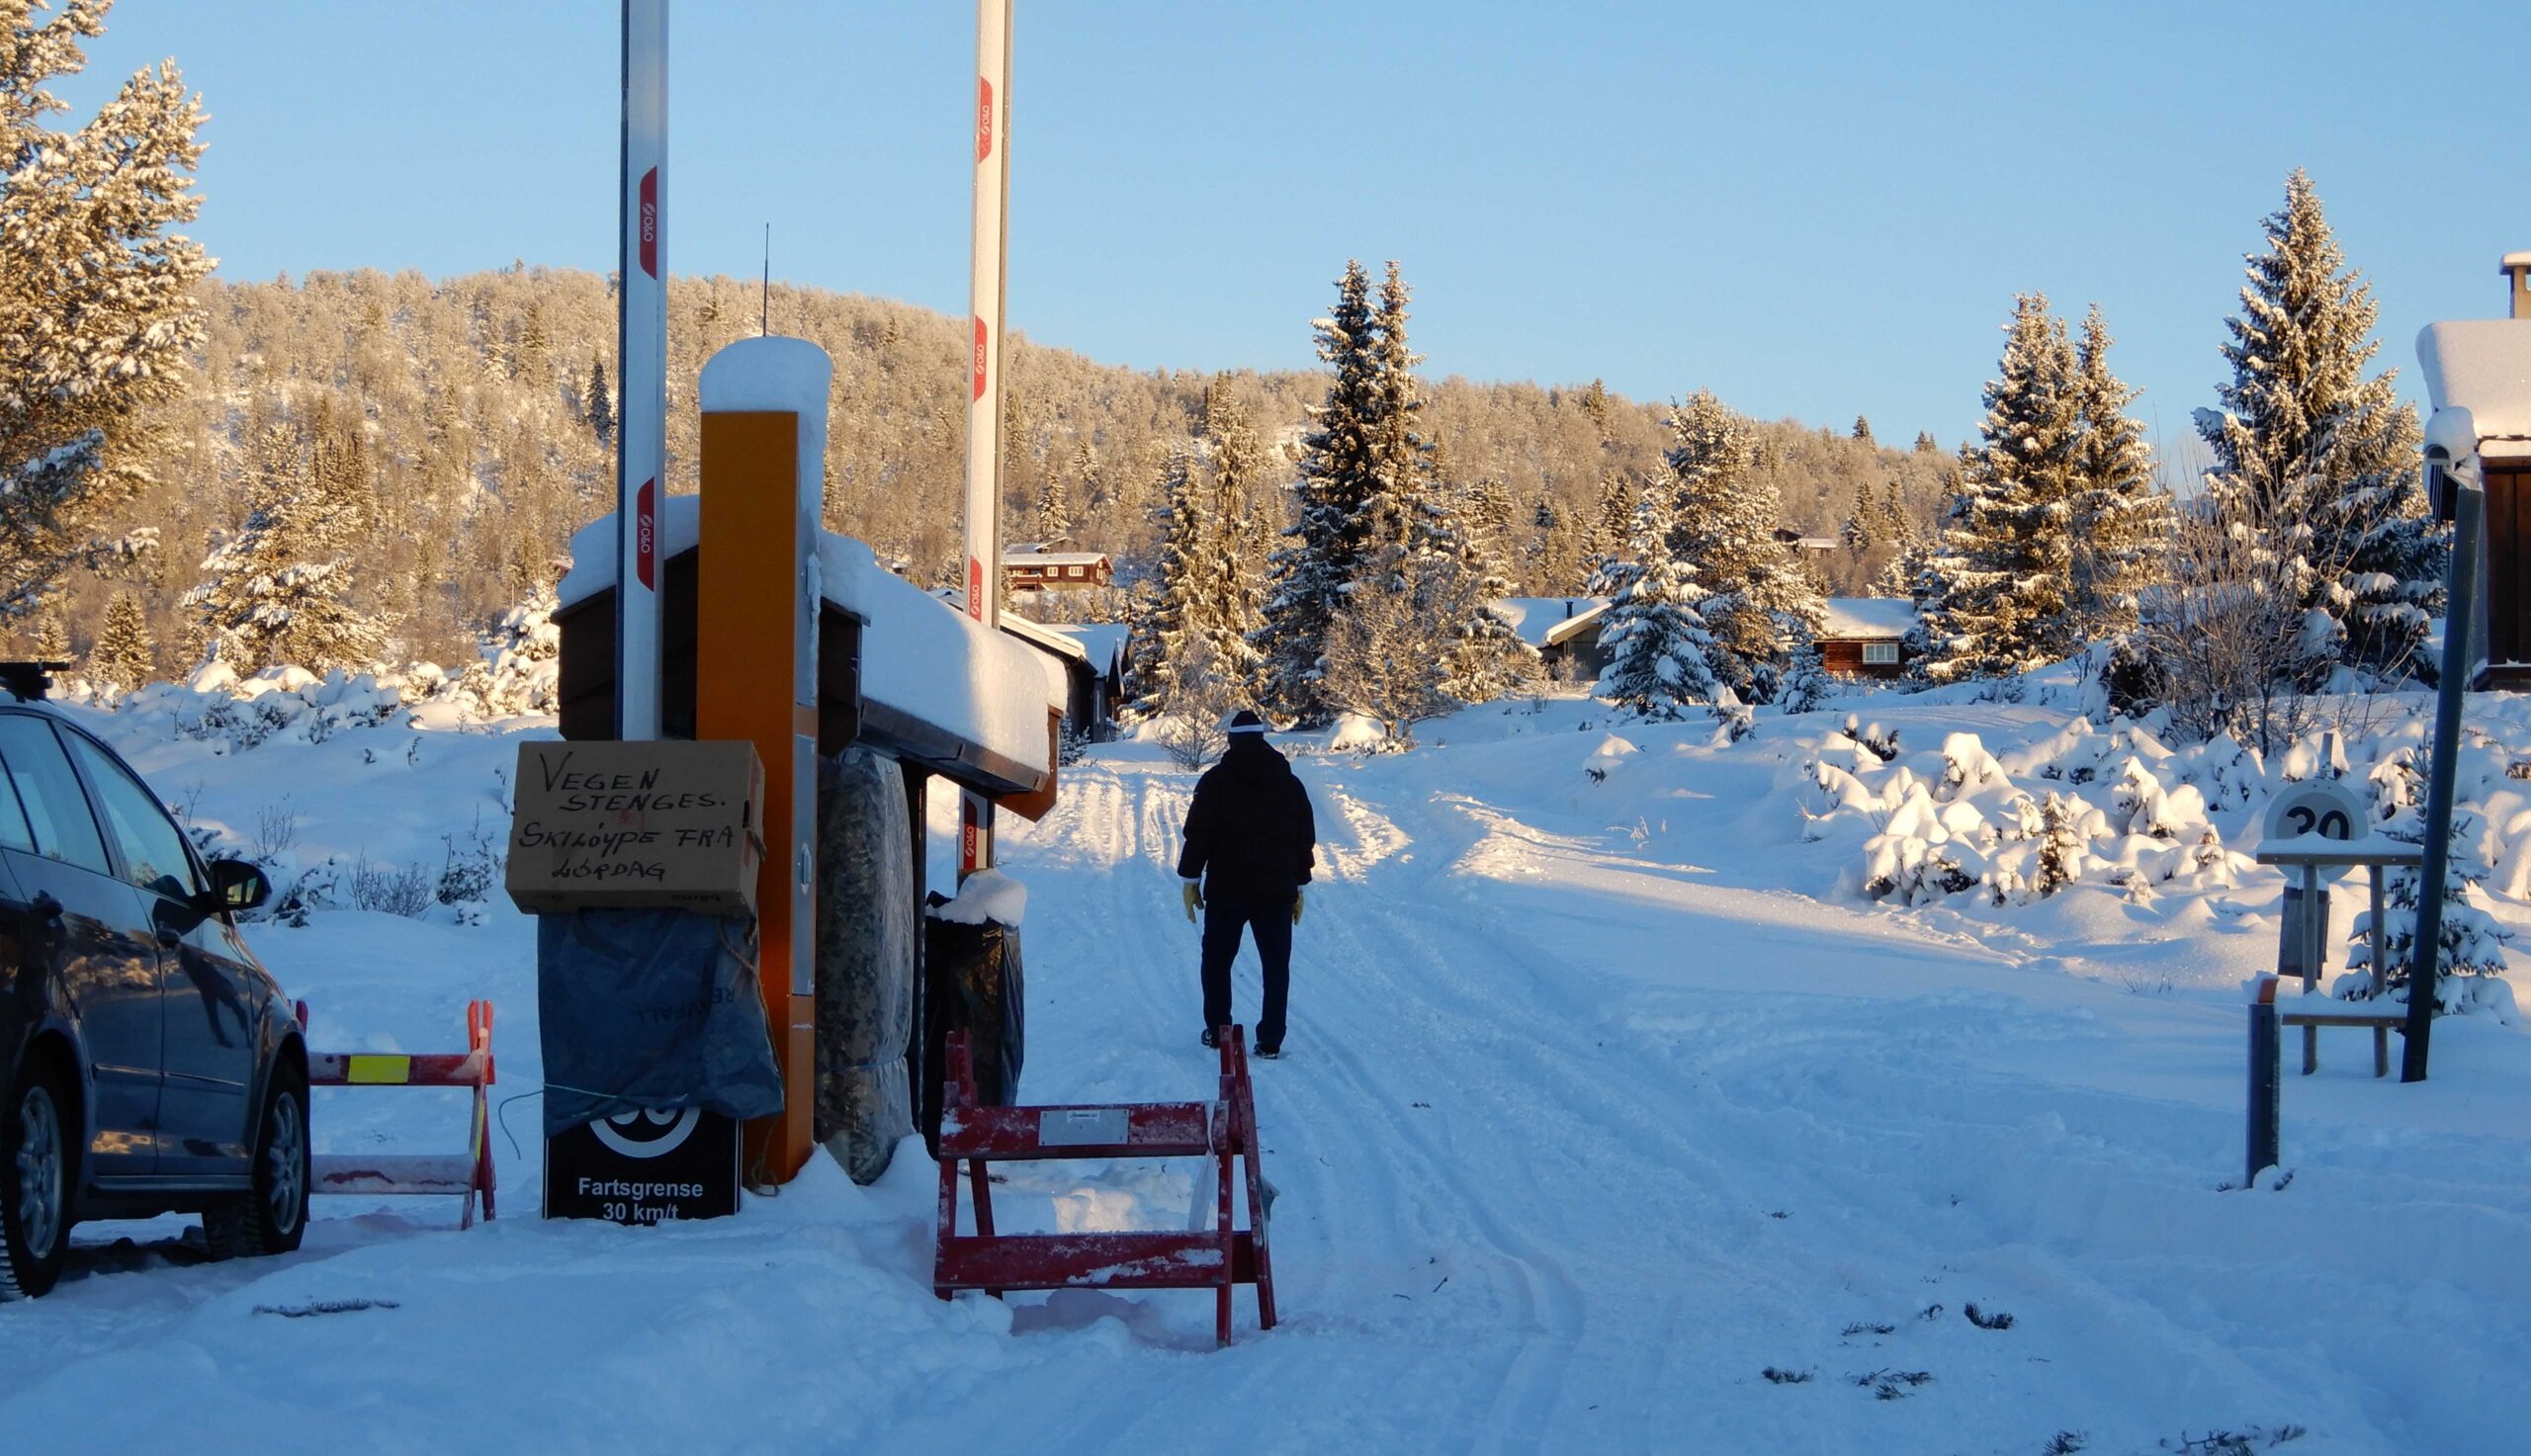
x=2315, y=816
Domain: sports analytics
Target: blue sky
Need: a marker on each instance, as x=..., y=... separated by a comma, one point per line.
x=1815, y=210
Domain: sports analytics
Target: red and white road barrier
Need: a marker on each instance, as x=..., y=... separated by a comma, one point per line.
x=466, y=1174
x=1218, y=1259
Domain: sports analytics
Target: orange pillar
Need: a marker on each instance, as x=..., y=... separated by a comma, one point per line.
x=764, y=404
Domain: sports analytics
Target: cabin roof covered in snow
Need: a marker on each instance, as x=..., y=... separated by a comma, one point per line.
x=921, y=658
x=2483, y=366
x=1871, y=618
x=1102, y=642
x=1547, y=621
x=1012, y=556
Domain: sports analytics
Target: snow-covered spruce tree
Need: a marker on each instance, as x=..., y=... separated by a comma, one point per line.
x=1607, y=553
x=2320, y=459
x=2471, y=943
x=2001, y=598
x=1805, y=687
x=1054, y=508
x=1325, y=545
x=1724, y=530
x=1660, y=655
x=277, y=590
x=1484, y=655
x=1424, y=557
x=97, y=309
x=124, y=656
x=516, y=671
x=1234, y=593
x=599, y=404
x=2122, y=522
x=1191, y=544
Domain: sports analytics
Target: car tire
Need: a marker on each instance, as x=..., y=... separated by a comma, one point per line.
x=35, y=1165
x=273, y=1218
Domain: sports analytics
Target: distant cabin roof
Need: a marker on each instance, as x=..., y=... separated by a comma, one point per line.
x=1012, y=556
x=1545, y=621
x=2483, y=366
x=1868, y=618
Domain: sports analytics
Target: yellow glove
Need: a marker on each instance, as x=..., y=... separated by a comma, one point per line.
x=1193, y=895
x=1297, y=903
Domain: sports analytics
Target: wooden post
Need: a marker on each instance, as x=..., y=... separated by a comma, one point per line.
x=2265, y=1101
x=2381, y=976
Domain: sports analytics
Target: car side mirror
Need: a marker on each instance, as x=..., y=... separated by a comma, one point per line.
x=237, y=884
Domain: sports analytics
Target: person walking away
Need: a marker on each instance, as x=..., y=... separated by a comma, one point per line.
x=1250, y=843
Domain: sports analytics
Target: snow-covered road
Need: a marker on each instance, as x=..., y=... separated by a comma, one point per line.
x=1586, y=1125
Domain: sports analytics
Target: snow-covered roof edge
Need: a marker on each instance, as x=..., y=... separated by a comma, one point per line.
x=920, y=656
x=2483, y=366
x=1876, y=619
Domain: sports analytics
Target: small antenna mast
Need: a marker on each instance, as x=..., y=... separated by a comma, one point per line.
x=764, y=296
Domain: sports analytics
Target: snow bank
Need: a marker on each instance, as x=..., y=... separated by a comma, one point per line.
x=988, y=895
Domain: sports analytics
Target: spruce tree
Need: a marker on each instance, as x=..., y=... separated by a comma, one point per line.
x=1863, y=430
x=1659, y=652
x=276, y=591
x=2318, y=461
x=2122, y=522
x=96, y=307
x=1925, y=443
x=124, y=656
x=1054, y=508
x=1607, y=553
x=2002, y=599
x=601, y=405
x=1724, y=533
x=1327, y=542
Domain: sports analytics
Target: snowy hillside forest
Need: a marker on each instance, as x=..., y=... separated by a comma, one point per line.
x=473, y=418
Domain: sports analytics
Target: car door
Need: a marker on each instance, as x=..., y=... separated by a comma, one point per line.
x=206, y=1018
x=92, y=930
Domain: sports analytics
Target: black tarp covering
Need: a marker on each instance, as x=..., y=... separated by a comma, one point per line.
x=865, y=987
x=972, y=982
x=650, y=1010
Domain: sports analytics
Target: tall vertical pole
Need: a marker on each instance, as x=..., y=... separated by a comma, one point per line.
x=986, y=293
x=642, y=367
x=2460, y=655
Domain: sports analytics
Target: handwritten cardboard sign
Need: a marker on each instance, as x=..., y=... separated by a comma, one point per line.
x=611, y=825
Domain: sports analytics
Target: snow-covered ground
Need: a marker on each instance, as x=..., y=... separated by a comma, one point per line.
x=1605, y=1097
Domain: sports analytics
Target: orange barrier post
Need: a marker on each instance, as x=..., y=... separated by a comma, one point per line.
x=755, y=672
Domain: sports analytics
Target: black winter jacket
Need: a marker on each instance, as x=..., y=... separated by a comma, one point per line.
x=1249, y=830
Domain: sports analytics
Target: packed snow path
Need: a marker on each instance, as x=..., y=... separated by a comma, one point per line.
x=1583, y=1128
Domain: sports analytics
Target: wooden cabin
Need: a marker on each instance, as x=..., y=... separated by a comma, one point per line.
x=1034, y=568
x=1564, y=631
x=2483, y=366
x=1866, y=636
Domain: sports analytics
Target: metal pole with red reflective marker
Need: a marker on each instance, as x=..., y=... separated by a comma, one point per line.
x=642, y=367
x=986, y=297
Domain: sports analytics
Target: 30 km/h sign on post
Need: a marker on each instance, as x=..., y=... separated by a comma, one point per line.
x=987, y=288
x=642, y=367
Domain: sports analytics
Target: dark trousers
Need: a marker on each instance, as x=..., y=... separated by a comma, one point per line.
x=1268, y=917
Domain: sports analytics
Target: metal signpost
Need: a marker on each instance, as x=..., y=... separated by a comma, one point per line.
x=641, y=372
x=987, y=288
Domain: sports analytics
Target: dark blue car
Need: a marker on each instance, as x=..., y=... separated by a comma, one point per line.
x=150, y=1064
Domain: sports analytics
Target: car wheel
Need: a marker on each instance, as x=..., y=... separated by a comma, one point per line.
x=273, y=1218
x=34, y=1183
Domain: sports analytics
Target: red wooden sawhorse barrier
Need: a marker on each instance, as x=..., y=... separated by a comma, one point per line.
x=467, y=1174
x=1217, y=1259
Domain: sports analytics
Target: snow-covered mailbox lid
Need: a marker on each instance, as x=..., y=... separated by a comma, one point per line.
x=898, y=669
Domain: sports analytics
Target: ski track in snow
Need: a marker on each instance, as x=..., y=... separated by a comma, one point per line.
x=1580, y=1129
